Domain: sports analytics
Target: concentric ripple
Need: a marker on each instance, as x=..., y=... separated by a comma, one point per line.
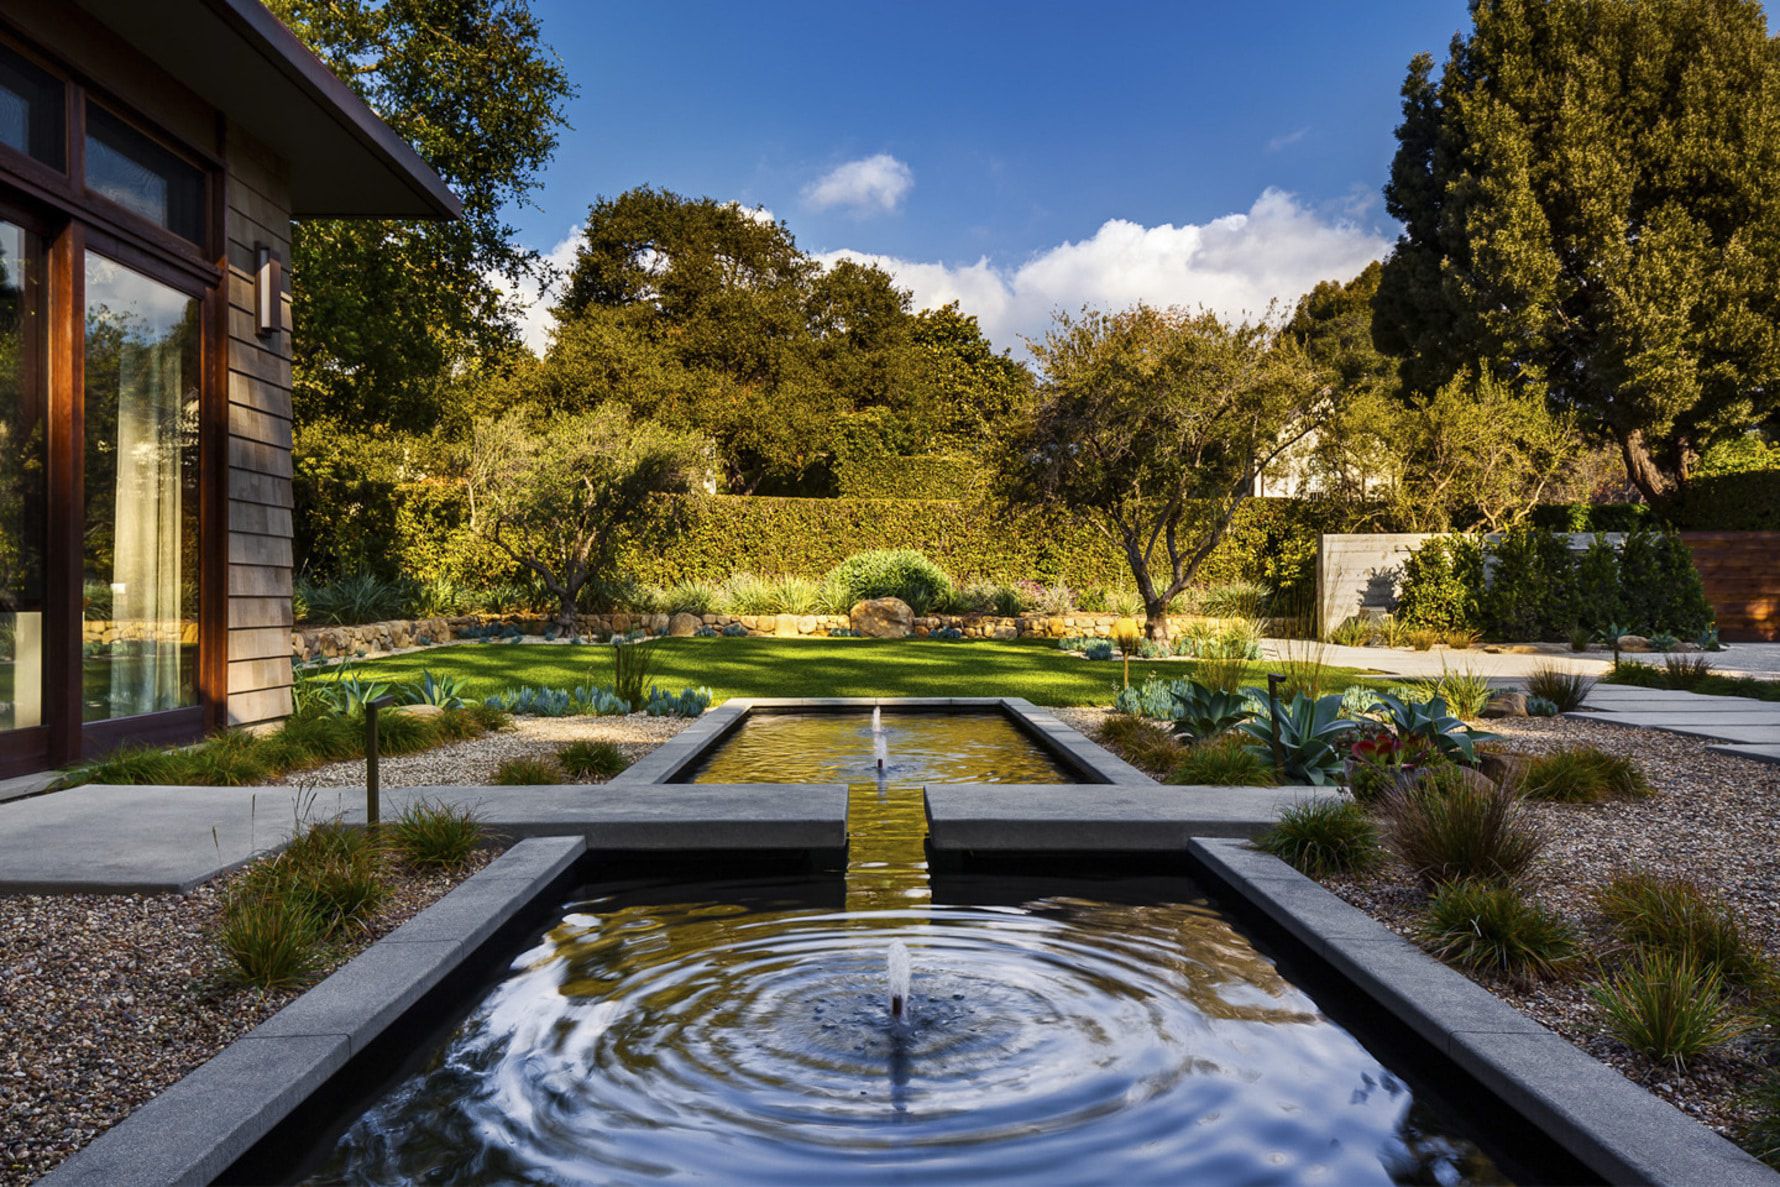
x=725, y=1039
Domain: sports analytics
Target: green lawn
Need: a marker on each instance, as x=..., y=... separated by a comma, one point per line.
x=1035, y=670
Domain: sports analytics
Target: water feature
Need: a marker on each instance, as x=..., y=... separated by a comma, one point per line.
x=1063, y=1032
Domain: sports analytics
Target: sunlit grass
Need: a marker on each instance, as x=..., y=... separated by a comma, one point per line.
x=1035, y=669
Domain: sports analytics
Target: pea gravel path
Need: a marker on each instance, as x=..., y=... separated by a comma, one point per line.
x=106, y=1000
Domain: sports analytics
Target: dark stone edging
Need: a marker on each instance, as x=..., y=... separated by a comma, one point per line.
x=1618, y=1129
x=196, y=1129
x=1073, y=819
x=679, y=753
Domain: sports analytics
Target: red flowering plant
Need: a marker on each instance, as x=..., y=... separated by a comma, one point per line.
x=1379, y=759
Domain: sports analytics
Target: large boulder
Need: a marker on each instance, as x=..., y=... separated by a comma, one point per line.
x=683, y=624
x=1506, y=704
x=882, y=618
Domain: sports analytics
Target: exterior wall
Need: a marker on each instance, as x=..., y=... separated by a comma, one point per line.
x=1358, y=573
x=258, y=211
x=1742, y=582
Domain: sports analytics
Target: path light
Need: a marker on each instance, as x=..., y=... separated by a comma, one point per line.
x=373, y=797
x=1274, y=680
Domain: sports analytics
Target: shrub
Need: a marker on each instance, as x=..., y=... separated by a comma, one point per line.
x=1598, y=603
x=1493, y=929
x=1141, y=744
x=631, y=665
x=1224, y=762
x=1659, y=588
x=432, y=835
x=1583, y=775
x=1441, y=584
x=588, y=760
x=1665, y=1005
x=690, y=597
x=895, y=573
x=359, y=598
x=525, y=772
x=405, y=733
x=1234, y=599
x=1566, y=690
x=270, y=939
x=1323, y=837
x=1532, y=587
x=1453, y=825
x=1674, y=915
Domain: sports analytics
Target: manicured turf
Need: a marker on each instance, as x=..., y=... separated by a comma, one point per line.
x=1035, y=670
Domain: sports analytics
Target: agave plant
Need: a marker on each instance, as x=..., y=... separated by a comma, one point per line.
x=350, y=694
x=447, y=692
x=1202, y=713
x=1431, y=722
x=1309, y=731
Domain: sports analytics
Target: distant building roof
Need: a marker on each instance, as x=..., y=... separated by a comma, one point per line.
x=237, y=56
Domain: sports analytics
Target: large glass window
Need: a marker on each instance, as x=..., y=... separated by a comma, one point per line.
x=128, y=168
x=23, y=482
x=141, y=525
x=31, y=110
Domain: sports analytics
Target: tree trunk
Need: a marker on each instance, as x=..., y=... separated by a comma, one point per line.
x=1155, y=621
x=1640, y=467
x=565, y=611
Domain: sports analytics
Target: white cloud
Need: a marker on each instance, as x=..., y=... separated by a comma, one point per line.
x=1287, y=139
x=536, y=297
x=1235, y=266
x=872, y=185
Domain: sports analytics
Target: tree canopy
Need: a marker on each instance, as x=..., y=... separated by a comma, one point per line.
x=394, y=320
x=1588, y=206
x=1153, y=424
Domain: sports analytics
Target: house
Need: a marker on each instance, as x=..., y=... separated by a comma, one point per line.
x=152, y=157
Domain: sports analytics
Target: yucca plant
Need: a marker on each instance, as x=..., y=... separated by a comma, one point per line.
x=1493, y=929
x=1202, y=712
x=1667, y=1006
x=1307, y=732
x=1566, y=690
x=1451, y=825
x=1323, y=837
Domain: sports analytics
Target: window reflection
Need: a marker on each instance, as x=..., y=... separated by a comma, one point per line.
x=141, y=524
x=128, y=168
x=30, y=110
x=22, y=478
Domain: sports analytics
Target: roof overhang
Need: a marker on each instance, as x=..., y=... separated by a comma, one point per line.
x=344, y=161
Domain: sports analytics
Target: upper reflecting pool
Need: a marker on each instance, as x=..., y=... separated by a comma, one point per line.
x=967, y=747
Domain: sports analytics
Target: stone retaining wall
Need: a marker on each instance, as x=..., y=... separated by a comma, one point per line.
x=335, y=642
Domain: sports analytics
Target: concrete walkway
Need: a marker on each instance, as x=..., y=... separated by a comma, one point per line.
x=1744, y=726
x=120, y=840
x=1761, y=660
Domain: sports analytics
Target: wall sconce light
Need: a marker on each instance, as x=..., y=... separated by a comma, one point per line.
x=267, y=300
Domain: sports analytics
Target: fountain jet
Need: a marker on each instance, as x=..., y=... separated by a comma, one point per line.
x=896, y=971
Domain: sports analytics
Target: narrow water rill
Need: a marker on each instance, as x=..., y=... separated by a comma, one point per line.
x=1018, y=1031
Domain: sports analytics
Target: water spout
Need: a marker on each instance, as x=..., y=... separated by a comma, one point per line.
x=881, y=748
x=896, y=972
x=877, y=722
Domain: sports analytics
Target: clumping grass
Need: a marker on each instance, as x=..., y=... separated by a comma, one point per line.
x=269, y=939
x=522, y=772
x=433, y=835
x=232, y=758
x=1667, y=1006
x=1450, y=826
x=1648, y=676
x=1305, y=669
x=1686, y=671
x=1761, y=1137
x=1566, y=690
x=1465, y=693
x=333, y=871
x=587, y=760
x=1583, y=775
x=1461, y=638
x=1141, y=744
x=1421, y=638
x=1353, y=631
x=1494, y=929
x=1223, y=762
x=1674, y=915
x=1322, y=837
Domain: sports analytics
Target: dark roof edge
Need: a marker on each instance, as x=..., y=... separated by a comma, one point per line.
x=288, y=55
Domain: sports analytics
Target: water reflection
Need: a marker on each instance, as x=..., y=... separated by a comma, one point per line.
x=838, y=748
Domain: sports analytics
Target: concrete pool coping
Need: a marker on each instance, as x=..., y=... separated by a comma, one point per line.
x=1618, y=1129
x=679, y=754
x=1073, y=818
x=196, y=1129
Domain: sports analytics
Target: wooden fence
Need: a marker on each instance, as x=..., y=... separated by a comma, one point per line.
x=1741, y=573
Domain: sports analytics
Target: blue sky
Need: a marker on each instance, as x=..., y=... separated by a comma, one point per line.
x=979, y=150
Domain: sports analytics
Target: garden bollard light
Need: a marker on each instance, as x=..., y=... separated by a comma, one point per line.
x=1274, y=680
x=373, y=806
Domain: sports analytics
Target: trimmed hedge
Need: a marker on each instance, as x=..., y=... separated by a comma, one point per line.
x=923, y=476
x=1743, y=502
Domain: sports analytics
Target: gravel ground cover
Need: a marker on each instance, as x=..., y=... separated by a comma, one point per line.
x=1713, y=820
x=473, y=762
x=106, y=1000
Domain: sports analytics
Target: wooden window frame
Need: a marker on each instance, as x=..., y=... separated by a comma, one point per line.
x=73, y=220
